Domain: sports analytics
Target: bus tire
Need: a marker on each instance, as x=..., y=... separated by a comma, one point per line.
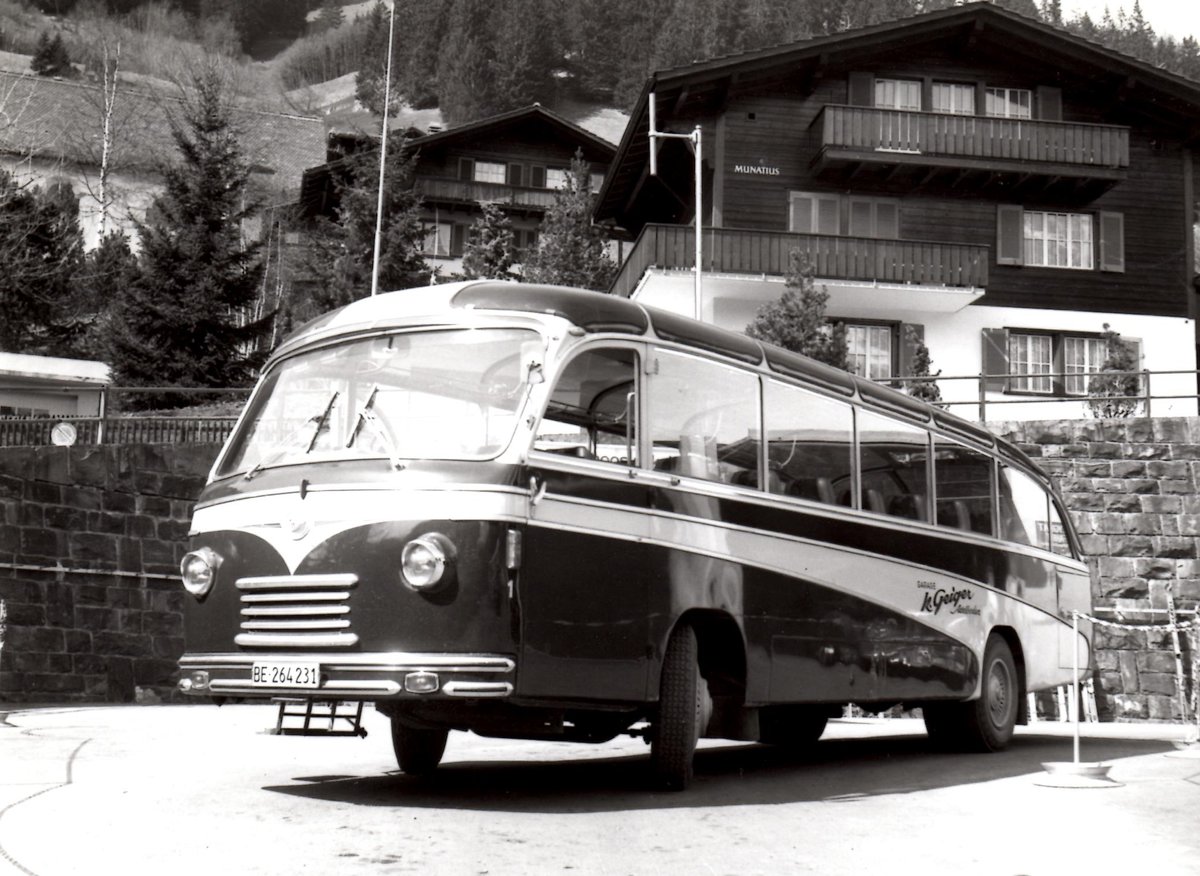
x=987, y=723
x=677, y=726
x=418, y=751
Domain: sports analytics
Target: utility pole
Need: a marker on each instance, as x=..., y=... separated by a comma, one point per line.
x=694, y=143
x=387, y=97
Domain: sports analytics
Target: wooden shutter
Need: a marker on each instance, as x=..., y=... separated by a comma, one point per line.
x=1049, y=103
x=1112, y=242
x=466, y=168
x=458, y=236
x=537, y=177
x=1010, y=234
x=516, y=175
x=995, y=359
x=800, y=213
x=862, y=89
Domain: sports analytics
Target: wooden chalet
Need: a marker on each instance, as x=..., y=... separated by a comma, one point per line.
x=517, y=160
x=1002, y=187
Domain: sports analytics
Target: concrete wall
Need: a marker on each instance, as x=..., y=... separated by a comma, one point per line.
x=90, y=544
x=99, y=617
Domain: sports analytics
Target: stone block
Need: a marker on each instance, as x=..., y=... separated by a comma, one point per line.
x=1122, y=502
x=1126, y=468
x=82, y=498
x=1129, y=707
x=1105, y=450
x=167, y=647
x=43, y=493
x=1172, y=430
x=119, y=502
x=47, y=639
x=1147, y=451
x=1117, y=567
x=1162, y=708
x=1175, y=548
x=173, y=530
x=94, y=548
x=39, y=661
x=121, y=644
x=26, y=614
x=1176, y=487
x=1155, y=569
x=40, y=683
x=1171, y=504
x=89, y=664
x=37, y=544
x=1161, y=683
x=78, y=641
x=106, y=522
x=160, y=623
x=1189, y=524
x=1175, y=469
x=140, y=526
x=1155, y=662
x=1084, y=501
x=63, y=517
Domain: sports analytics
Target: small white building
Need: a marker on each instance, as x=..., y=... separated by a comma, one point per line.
x=47, y=386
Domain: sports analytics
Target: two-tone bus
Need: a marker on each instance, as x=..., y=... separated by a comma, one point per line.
x=535, y=512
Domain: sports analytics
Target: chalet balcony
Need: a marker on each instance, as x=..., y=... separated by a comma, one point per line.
x=938, y=148
x=457, y=191
x=743, y=268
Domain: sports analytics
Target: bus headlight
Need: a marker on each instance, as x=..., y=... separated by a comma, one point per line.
x=199, y=571
x=427, y=562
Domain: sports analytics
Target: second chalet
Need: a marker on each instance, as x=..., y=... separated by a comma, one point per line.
x=996, y=186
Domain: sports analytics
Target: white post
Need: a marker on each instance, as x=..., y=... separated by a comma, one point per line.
x=1075, y=679
x=387, y=96
x=694, y=138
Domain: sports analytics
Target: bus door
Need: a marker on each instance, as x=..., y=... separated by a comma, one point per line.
x=586, y=565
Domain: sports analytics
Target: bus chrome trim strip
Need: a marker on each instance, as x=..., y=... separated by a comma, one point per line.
x=289, y=582
x=477, y=689
x=296, y=610
x=341, y=688
x=295, y=640
x=372, y=662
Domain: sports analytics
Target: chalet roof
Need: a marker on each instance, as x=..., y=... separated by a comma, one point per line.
x=59, y=120
x=699, y=88
x=52, y=369
x=317, y=179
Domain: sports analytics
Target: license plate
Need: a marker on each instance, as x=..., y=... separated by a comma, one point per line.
x=286, y=675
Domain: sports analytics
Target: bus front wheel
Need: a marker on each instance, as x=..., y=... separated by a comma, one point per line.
x=987, y=723
x=418, y=751
x=682, y=706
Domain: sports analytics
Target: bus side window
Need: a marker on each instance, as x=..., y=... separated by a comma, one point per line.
x=963, y=479
x=591, y=412
x=1024, y=509
x=894, y=457
x=809, y=443
x=703, y=420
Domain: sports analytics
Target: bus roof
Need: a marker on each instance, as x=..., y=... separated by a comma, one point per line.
x=595, y=312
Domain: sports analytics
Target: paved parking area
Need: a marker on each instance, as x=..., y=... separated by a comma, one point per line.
x=196, y=789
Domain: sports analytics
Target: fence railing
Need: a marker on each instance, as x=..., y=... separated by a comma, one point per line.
x=34, y=431
x=992, y=391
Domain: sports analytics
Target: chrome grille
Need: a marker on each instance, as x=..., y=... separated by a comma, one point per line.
x=296, y=611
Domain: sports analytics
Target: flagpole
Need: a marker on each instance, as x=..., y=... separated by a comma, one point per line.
x=387, y=96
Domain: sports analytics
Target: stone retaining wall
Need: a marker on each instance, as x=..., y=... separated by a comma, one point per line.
x=90, y=544
x=1131, y=488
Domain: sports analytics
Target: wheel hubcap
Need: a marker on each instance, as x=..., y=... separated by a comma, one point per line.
x=999, y=694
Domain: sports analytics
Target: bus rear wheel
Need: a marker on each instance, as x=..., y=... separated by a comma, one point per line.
x=682, y=706
x=985, y=724
x=418, y=751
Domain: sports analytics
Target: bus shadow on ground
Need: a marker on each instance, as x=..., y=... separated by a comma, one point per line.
x=840, y=770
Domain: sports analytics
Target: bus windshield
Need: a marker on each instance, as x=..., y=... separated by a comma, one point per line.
x=446, y=394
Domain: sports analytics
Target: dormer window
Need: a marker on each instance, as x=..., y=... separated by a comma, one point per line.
x=899, y=94
x=956, y=98
x=1009, y=103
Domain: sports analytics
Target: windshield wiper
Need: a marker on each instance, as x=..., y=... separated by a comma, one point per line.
x=380, y=428
x=321, y=420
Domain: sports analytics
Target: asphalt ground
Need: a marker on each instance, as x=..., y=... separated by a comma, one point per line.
x=196, y=789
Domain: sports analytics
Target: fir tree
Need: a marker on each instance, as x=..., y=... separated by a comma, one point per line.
x=521, y=70
x=344, y=250
x=184, y=323
x=50, y=56
x=108, y=272
x=330, y=17
x=571, y=251
x=42, y=248
x=466, y=85
x=796, y=321
x=490, y=251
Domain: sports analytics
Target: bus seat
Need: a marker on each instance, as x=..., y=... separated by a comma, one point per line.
x=825, y=491
x=744, y=477
x=962, y=515
x=875, y=502
x=909, y=505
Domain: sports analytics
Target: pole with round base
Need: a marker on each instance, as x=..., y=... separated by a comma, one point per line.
x=1076, y=774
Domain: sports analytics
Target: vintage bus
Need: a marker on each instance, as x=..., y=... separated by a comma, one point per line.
x=535, y=512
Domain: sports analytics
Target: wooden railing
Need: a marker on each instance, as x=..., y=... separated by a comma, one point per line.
x=18, y=432
x=1030, y=140
x=738, y=251
x=466, y=190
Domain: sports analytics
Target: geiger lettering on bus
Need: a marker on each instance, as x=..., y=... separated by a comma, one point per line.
x=934, y=602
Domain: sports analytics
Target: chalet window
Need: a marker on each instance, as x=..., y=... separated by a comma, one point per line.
x=814, y=213
x=900, y=94
x=1041, y=238
x=1058, y=240
x=953, y=97
x=875, y=217
x=490, y=172
x=1049, y=363
x=437, y=239
x=1009, y=103
x=597, y=182
x=869, y=350
x=556, y=178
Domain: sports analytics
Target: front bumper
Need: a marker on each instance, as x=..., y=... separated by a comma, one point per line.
x=355, y=676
